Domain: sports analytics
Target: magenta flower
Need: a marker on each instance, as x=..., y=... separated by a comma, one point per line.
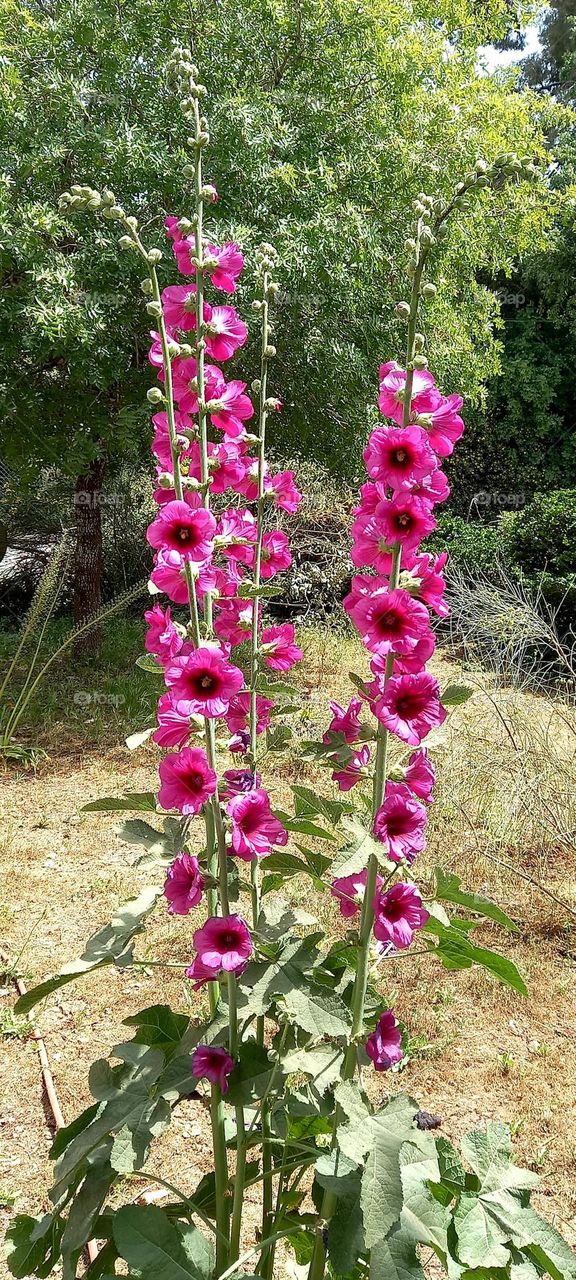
x=238, y=712
x=173, y=727
x=423, y=579
x=399, y=823
x=444, y=424
x=229, y=263
x=346, y=722
x=169, y=575
x=224, y=332
x=384, y=1045
x=227, y=466
x=230, y=408
x=399, y=457
x=255, y=830
x=410, y=706
x=353, y=771
x=238, y=781
x=211, y=1062
x=161, y=439
x=203, y=682
x=223, y=945
x=179, y=306
x=237, y=527
x=162, y=637
x=420, y=774
x=180, y=527
x=187, y=781
x=412, y=663
x=286, y=495
x=183, y=884
x=398, y=914
x=404, y=519
x=371, y=544
x=233, y=621
x=275, y=554
x=184, y=383
x=389, y=621
x=392, y=389
x=278, y=648
x=172, y=229
x=434, y=488
x=350, y=890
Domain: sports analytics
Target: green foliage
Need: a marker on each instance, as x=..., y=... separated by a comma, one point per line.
x=542, y=537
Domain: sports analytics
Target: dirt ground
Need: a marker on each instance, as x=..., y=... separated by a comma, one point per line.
x=480, y=1051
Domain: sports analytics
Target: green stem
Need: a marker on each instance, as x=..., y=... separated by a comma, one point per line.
x=221, y=1176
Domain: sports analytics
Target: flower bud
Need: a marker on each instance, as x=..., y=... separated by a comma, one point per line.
x=189, y=171
x=154, y=395
x=154, y=256
x=126, y=242
x=256, y=305
x=146, y=286
x=429, y=291
x=426, y=236
x=270, y=351
x=165, y=480
x=402, y=310
x=419, y=341
x=154, y=309
x=410, y=246
x=132, y=222
x=256, y=386
x=481, y=166
x=203, y=139
x=272, y=404
x=184, y=225
x=420, y=362
x=209, y=192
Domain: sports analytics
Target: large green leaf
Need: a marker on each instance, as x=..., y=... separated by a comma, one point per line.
x=33, y=1245
x=159, y=1025
x=395, y=1258
x=449, y=890
x=109, y=946
x=159, y=1249
x=263, y=980
x=544, y=1245
x=323, y=1063
x=317, y=1009
x=482, y=1241
x=252, y=1075
x=424, y=1218
x=382, y=1194
x=84, y=1211
x=456, y=951
x=143, y=801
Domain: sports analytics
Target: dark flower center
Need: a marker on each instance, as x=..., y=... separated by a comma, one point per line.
x=207, y=682
x=194, y=781
x=399, y=455
x=404, y=521
x=184, y=534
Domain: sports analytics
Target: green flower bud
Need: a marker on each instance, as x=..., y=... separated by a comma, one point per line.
x=429, y=291
x=410, y=246
x=189, y=171
x=402, y=310
x=154, y=395
x=154, y=309
x=420, y=362
x=482, y=181
x=269, y=351
x=257, y=305
x=419, y=341
x=108, y=197
x=256, y=386
x=132, y=222
x=154, y=256
x=146, y=286
x=126, y=242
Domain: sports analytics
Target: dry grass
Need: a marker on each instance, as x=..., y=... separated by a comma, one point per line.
x=506, y=809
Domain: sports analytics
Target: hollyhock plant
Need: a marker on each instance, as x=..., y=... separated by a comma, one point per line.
x=384, y=1045
x=184, y=884
x=398, y=914
x=255, y=829
x=187, y=781
x=283, y=1014
x=399, y=823
x=212, y=1062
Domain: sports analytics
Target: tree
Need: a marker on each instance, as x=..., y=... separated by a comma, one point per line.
x=326, y=118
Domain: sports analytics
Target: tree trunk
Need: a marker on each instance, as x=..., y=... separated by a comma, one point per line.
x=88, y=557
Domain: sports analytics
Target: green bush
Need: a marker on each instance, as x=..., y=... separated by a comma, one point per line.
x=542, y=537
x=471, y=546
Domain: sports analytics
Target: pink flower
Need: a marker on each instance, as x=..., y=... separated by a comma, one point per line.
x=399, y=823
x=227, y=466
x=398, y=914
x=434, y=488
x=203, y=682
x=187, y=781
x=162, y=637
x=346, y=722
x=412, y=663
x=278, y=648
x=229, y=407
x=350, y=890
x=389, y=621
x=239, y=711
x=384, y=1045
x=392, y=390
x=275, y=554
x=233, y=620
x=399, y=457
x=183, y=884
x=236, y=528
x=371, y=542
x=211, y=1062
x=179, y=306
x=255, y=830
x=286, y=495
x=404, y=519
x=169, y=575
x=410, y=706
x=229, y=262
x=179, y=527
x=173, y=727
x=352, y=772
x=161, y=440
x=184, y=383
x=248, y=487
x=420, y=775
x=223, y=944
x=423, y=579
x=445, y=426
x=172, y=229
x=224, y=332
